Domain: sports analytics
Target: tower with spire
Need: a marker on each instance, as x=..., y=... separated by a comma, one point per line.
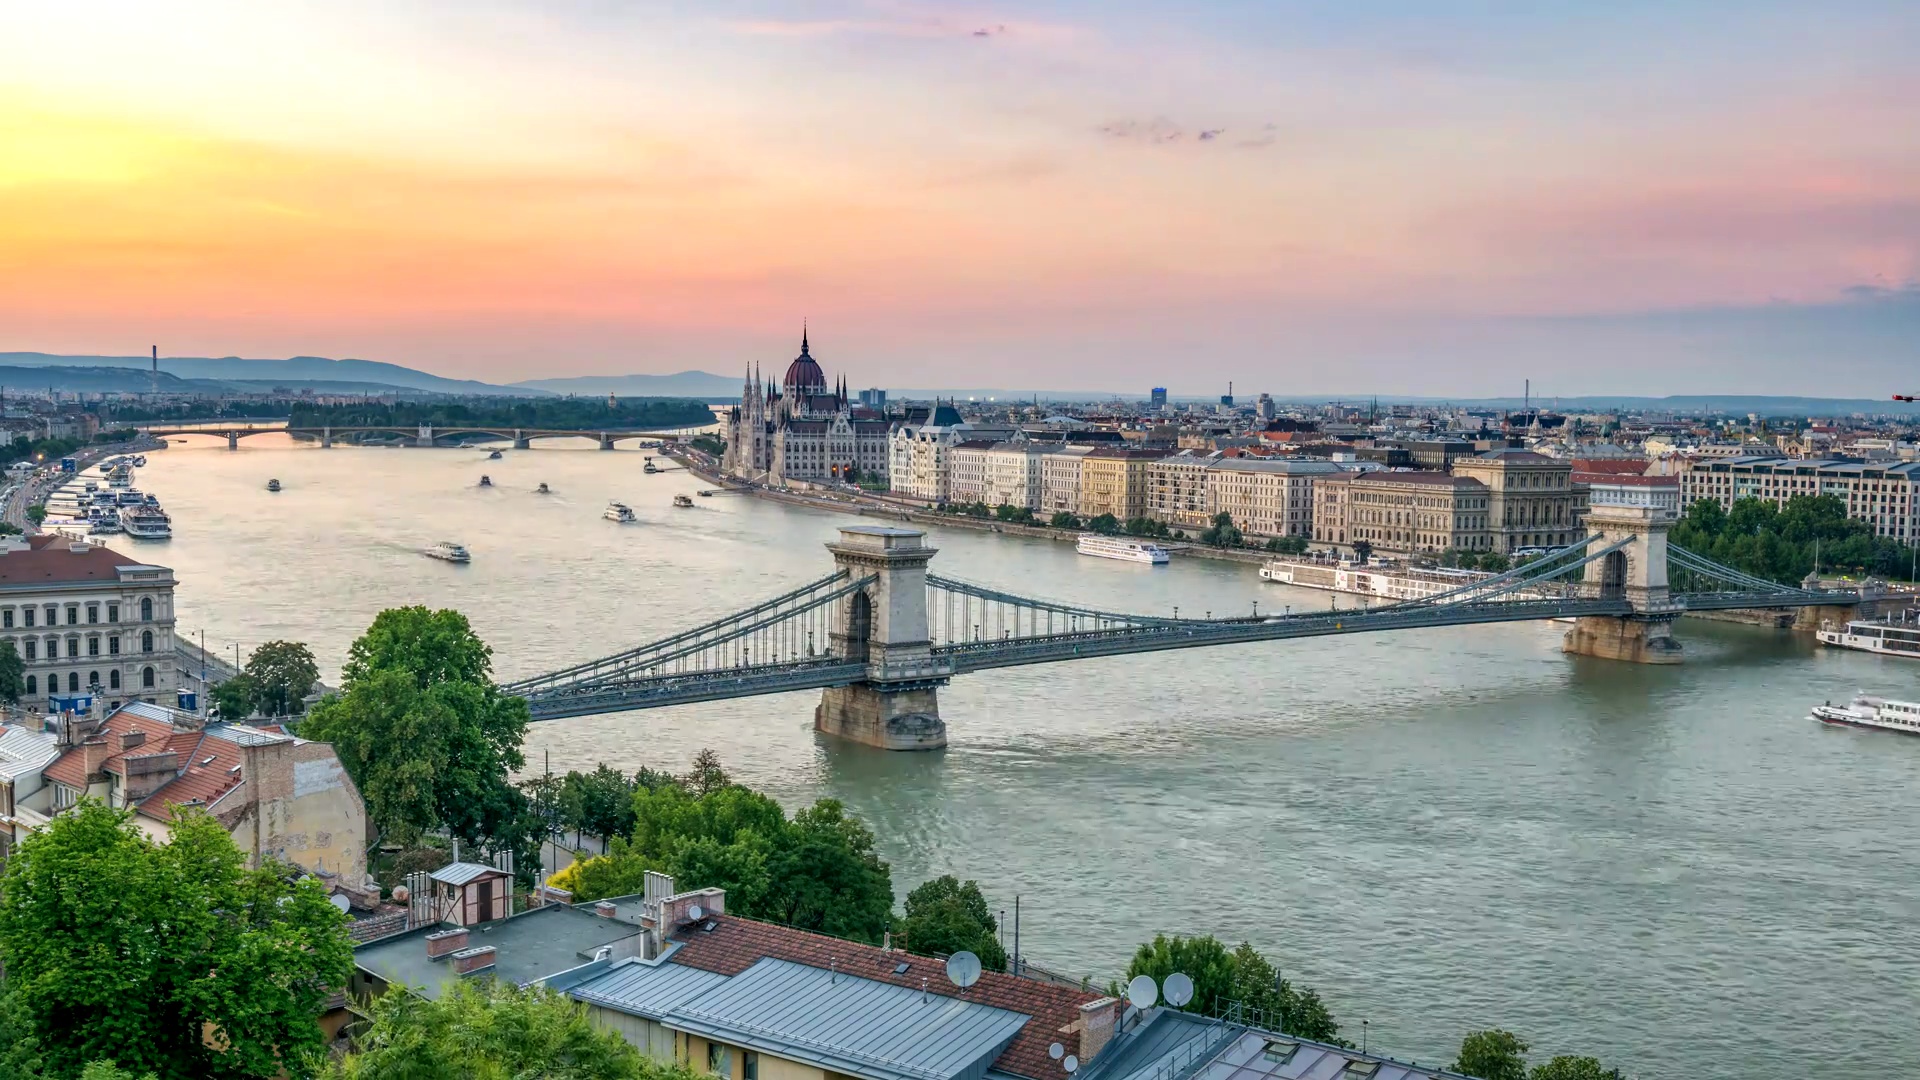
x=803, y=427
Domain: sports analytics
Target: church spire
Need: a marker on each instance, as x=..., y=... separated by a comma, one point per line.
x=803, y=337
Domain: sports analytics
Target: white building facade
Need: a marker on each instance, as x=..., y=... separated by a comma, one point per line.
x=1060, y=480
x=83, y=616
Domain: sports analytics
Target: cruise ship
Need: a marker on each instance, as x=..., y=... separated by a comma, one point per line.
x=620, y=512
x=1368, y=579
x=1122, y=548
x=1886, y=637
x=146, y=523
x=1865, y=711
x=448, y=551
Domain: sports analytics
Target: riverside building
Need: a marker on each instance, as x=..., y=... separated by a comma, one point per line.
x=803, y=430
x=83, y=616
x=1885, y=495
x=1403, y=513
x=1530, y=498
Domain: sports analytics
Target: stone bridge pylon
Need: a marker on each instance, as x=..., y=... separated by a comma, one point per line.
x=884, y=626
x=1636, y=573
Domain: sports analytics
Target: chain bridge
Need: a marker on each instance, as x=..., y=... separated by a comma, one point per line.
x=881, y=634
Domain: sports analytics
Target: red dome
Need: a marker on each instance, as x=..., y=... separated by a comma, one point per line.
x=804, y=375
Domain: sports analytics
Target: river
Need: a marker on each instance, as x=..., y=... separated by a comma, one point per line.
x=1670, y=868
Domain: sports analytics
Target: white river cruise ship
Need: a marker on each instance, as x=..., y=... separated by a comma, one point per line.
x=1865, y=711
x=1886, y=637
x=1120, y=547
x=1365, y=579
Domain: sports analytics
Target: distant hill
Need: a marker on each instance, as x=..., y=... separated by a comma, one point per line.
x=99, y=380
x=694, y=384
x=295, y=372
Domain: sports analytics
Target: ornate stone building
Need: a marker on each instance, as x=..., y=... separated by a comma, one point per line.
x=804, y=430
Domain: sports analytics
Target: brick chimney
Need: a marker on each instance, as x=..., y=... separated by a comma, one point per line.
x=93, y=754
x=1096, y=1026
x=131, y=739
x=445, y=943
x=606, y=909
x=468, y=961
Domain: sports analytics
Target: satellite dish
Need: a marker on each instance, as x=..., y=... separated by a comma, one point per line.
x=1142, y=992
x=695, y=912
x=339, y=902
x=1055, y=1051
x=963, y=969
x=1178, y=989
x=1072, y=1064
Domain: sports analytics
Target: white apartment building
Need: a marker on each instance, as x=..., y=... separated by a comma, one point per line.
x=967, y=464
x=1179, y=489
x=919, y=462
x=1013, y=474
x=1060, y=480
x=80, y=616
x=1267, y=497
x=1884, y=495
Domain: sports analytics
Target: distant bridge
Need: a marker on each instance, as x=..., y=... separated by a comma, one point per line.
x=879, y=635
x=413, y=435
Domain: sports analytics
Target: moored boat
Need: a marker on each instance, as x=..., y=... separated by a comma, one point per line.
x=1122, y=548
x=146, y=523
x=273, y=485
x=1867, y=711
x=543, y=489
x=495, y=456
x=1885, y=636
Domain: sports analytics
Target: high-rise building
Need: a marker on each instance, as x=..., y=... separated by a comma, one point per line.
x=1263, y=408
x=874, y=398
x=1159, y=402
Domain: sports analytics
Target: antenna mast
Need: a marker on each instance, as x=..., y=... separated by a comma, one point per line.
x=153, y=376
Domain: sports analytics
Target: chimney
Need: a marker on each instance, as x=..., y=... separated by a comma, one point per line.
x=93, y=754
x=468, y=961
x=131, y=739
x=606, y=909
x=445, y=943
x=1096, y=1026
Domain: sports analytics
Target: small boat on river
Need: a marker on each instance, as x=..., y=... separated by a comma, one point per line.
x=495, y=456
x=485, y=480
x=543, y=489
x=620, y=512
x=273, y=485
x=448, y=551
x=682, y=501
x=1866, y=711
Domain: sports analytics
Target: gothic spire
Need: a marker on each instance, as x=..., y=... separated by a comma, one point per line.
x=803, y=337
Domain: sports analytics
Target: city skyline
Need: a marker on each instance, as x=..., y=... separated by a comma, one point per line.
x=1651, y=199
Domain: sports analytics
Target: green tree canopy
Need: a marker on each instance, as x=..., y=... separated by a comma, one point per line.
x=945, y=916
x=283, y=673
x=118, y=948
x=1783, y=543
x=1202, y=959
x=426, y=735
x=1063, y=519
x=1223, y=980
x=1492, y=1055
x=1104, y=524
x=1568, y=1067
x=1223, y=533
x=234, y=698
x=13, y=673
x=489, y=1028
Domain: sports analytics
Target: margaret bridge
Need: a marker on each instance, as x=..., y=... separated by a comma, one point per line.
x=410, y=435
x=881, y=634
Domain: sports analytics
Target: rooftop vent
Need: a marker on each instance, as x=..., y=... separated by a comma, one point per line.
x=208, y=760
x=468, y=961
x=445, y=943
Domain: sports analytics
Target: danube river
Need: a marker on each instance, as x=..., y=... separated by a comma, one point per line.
x=1670, y=868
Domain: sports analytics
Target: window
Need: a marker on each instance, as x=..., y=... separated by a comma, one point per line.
x=113, y=645
x=73, y=614
x=93, y=679
x=33, y=682
x=73, y=682
x=113, y=679
x=26, y=616
x=93, y=645
x=113, y=612
x=6, y=618
x=749, y=1065
x=719, y=1059
x=33, y=648
x=146, y=609
x=146, y=641
x=73, y=646
x=93, y=613
x=53, y=615
x=146, y=676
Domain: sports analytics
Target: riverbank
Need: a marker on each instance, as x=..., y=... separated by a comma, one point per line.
x=37, y=487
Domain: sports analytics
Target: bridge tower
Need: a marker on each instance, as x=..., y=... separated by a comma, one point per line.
x=233, y=440
x=425, y=436
x=1637, y=574
x=884, y=626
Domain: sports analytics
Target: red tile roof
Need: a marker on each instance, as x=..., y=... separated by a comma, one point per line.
x=1616, y=466
x=736, y=944
x=70, y=767
x=50, y=558
x=198, y=778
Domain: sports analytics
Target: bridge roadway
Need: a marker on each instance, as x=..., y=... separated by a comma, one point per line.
x=960, y=658
x=421, y=435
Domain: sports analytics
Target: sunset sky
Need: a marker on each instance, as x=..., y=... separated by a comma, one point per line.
x=1417, y=197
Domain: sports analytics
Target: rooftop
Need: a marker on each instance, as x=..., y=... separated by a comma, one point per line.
x=1431, y=479
x=528, y=947
x=1166, y=1043
x=53, y=559
x=23, y=751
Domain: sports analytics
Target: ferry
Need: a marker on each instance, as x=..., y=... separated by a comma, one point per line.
x=1865, y=711
x=130, y=497
x=273, y=485
x=543, y=489
x=682, y=500
x=139, y=460
x=145, y=523
x=1119, y=547
x=448, y=551
x=1385, y=580
x=705, y=494
x=1886, y=637
x=102, y=522
x=485, y=480
x=120, y=477
x=620, y=512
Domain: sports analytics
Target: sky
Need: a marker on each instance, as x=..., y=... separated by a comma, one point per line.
x=1397, y=197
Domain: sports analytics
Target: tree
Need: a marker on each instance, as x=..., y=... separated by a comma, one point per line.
x=37, y=513
x=283, y=674
x=491, y=1028
x=1063, y=519
x=1363, y=550
x=1258, y=985
x=599, y=802
x=1495, y=562
x=427, y=736
x=1243, y=978
x=1202, y=959
x=707, y=776
x=946, y=916
x=1288, y=545
x=1568, y=1067
x=1105, y=524
x=1224, y=532
x=826, y=877
x=234, y=698
x=13, y=674
x=109, y=1070
x=1492, y=1055
x=171, y=958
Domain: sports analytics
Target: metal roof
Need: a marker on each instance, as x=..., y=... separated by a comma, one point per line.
x=648, y=990
x=462, y=872
x=528, y=947
x=1170, y=1045
x=844, y=1023
x=23, y=750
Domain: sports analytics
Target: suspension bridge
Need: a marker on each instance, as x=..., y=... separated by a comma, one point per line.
x=880, y=634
